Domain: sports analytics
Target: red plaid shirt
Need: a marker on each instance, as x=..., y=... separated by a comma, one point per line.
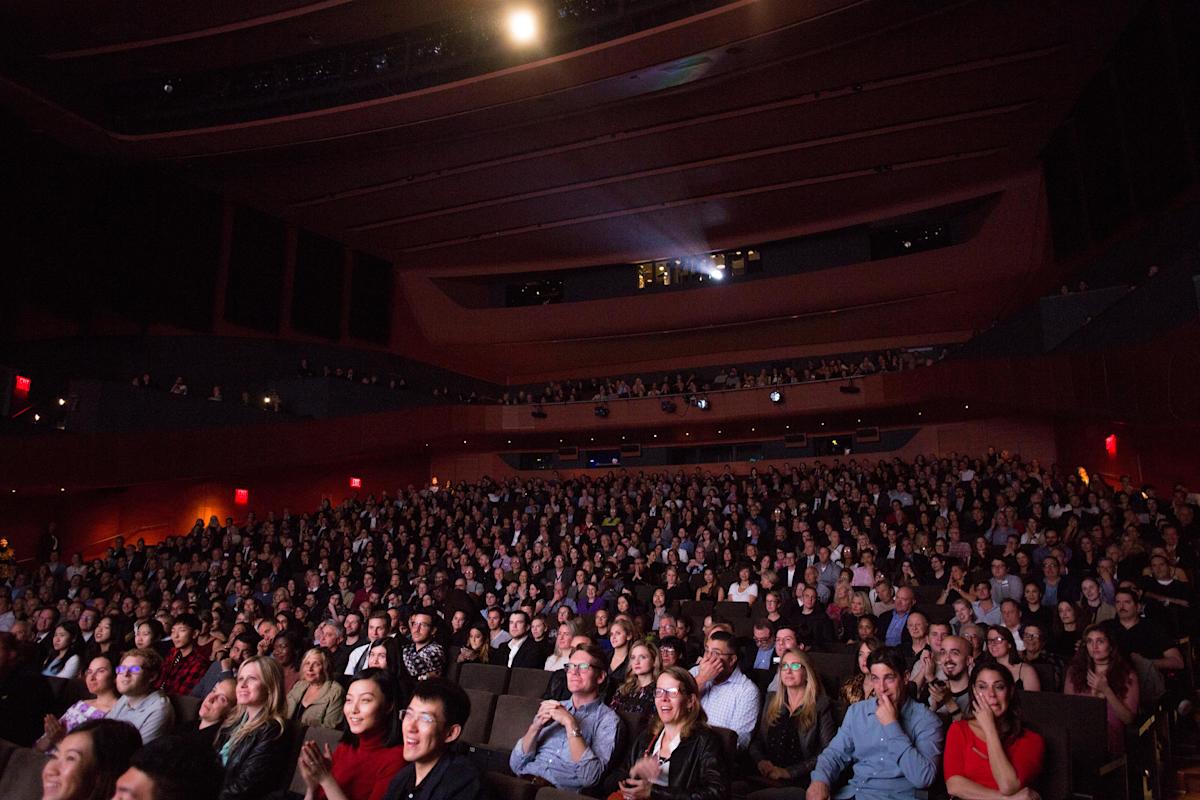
x=181, y=673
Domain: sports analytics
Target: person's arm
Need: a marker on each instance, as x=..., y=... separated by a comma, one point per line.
x=745, y=717
x=837, y=756
x=919, y=756
x=334, y=711
x=159, y=721
x=71, y=668
x=826, y=728
x=1029, y=679
x=1171, y=659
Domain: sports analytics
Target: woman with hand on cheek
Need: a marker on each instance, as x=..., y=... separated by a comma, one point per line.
x=989, y=755
x=363, y=766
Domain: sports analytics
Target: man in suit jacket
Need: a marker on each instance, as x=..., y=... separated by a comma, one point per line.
x=789, y=573
x=893, y=625
x=521, y=650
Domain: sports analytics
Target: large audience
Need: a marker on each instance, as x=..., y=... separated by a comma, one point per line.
x=780, y=374
x=685, y=624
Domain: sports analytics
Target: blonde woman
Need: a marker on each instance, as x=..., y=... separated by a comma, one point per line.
x=620, y=635
x=795, y=726
x=251, y=744
x=316, y=699
x=562, y=645
x=636, y=694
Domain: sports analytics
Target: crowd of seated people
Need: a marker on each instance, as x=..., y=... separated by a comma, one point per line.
x=621, y=388
x=680, y=620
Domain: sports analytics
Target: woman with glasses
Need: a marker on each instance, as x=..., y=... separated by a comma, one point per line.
x=101, y=681
x=1101, y=670
x=990, y=752
x=1002, y=648
x=372, y=752
x=796, y=725
x=678, y=756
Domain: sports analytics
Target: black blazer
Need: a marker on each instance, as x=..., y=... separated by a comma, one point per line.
x=885, y=622
x=256, y=764
x=812, y=741
x=452, y=778
x=530, y=654
x=698, y=767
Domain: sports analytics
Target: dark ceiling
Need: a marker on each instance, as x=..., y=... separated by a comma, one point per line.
x=754, y=120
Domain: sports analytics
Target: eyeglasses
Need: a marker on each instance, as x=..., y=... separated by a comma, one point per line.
x=424, y=718
x=578, y=667
x=1032, y=636
x=995, y=639
x=662, y=691
x=718, y=653
x=132, y=669
x=797, y=667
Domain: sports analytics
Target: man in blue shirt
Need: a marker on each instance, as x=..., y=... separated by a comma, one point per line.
x=891, y=743
x=569, y=745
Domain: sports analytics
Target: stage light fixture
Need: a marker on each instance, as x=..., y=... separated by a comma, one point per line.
x=522, y=24
x=702, y=403
x=776, y=396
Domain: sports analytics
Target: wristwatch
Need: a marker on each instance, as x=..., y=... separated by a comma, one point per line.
x=574, y=732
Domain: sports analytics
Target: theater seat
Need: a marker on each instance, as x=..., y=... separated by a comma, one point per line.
x=322, y=736
x=22, y=777
x=527, y=682
x=484, y=677
x=508, y=787
x=509, y=724
x=479, y=723
x=187, y=708
x=550, y=793
x=731, y=609
x=7, y=748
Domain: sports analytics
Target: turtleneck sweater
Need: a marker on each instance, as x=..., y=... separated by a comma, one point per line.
x=364, y=772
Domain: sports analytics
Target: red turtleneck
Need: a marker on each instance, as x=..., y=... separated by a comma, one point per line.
x=364, y=772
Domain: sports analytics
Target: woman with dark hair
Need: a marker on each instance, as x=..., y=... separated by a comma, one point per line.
x=148, y=635
x=678, y=757
x=89, y=760
x=372, y=752
x=286, y=650
x=251, y=744
x=108, y=639
x=66, y=652
x=1002, y=648
x=989, y=751
x=1101, y=670
x=100, y=679
x=1068, y=629
x=477, y=648
x=857, y=687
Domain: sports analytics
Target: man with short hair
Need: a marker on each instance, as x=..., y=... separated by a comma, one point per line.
x=894, y=623
x=184, y=665
x=1051, y=669
x=495, y=622
x=172, y=768
x=423, y=657
x=1057, y=587
x=951, y=698
x=570, y=744
x=377, y=627
x=140, y=704
x=761, y=654
x=1144, y=637
x=785, y=639
x=332, y=636
x=891, y=743
x=430, y=725
x=729, y=698
x=1010, y=617
x=1165, y=599
x=1004, y=586
x=986, y=611
x=520, y=650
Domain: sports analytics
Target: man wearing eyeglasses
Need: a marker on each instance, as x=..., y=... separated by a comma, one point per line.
x=141, y=705
x=570, y=744
x=729, y=698
x=432, y=723
x=423, y=657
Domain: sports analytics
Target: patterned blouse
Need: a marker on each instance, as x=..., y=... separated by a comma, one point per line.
x=640, y=701
x=80, y=713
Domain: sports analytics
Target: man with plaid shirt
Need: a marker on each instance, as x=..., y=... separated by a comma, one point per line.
x=184, y=664
x=424, y=658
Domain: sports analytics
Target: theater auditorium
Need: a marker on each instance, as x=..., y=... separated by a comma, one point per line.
x=616, y=399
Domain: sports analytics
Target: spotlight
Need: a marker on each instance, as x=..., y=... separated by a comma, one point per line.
x=522, y=25
x=668, y=406
x=62, y=401
x=37, y=417
x=600, y=410
x=538, y=413
x=702, y=403
x=776, y=396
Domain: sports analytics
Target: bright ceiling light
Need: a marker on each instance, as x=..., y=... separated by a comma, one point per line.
x=522, y=25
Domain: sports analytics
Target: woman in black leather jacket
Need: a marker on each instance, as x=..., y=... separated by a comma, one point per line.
x=252, y=744
x=678, y=757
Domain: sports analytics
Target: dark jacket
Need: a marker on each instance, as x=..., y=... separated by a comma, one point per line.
x=256, y=764
x=529, y=655
x=452, y=778
x=698, y=767
x=812, y=741
x=885, y=622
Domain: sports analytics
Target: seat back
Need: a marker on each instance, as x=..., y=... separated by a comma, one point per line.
x=696, y=608
x=187, y=708
x=322, y=736
x=507, y=787
x=1055, y=781
x=731, y=610
x=1088, y=715
x=512, y=718
x=479, y=722
x=729, y=742
x=833, y=669
x=484, y=677
x=7, y=748
x=550, y=793
x=528, y=682
x=22, y=777
x=938, y=614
